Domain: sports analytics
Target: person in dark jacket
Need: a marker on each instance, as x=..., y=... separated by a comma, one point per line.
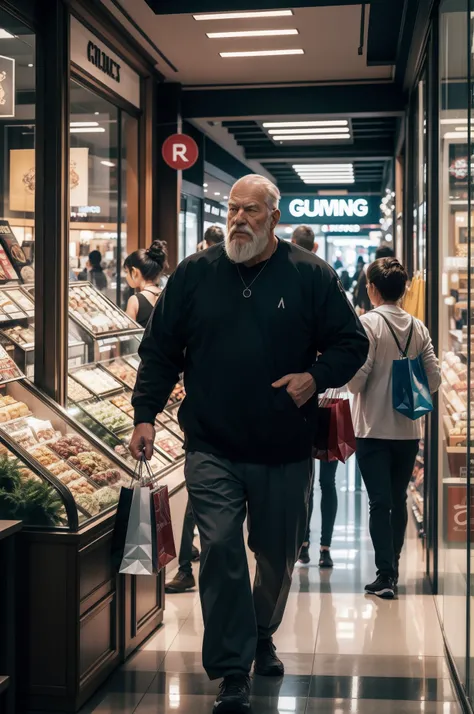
x=244, y=322
x=361, y=298
x=94, y=271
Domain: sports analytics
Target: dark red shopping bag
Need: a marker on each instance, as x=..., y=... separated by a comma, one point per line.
x=166, y=550
x=345, y=438
x=335, y=440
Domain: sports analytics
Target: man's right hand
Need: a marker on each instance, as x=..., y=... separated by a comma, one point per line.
x=142, y=441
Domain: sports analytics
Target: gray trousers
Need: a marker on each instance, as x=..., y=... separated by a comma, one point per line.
x=275, y=498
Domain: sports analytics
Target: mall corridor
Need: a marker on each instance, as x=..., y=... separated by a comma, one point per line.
x=344, y=652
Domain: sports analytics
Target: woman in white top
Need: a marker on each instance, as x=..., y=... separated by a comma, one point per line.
x=387, y=442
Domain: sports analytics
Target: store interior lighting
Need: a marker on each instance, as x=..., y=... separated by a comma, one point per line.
x=87, y=130
x=312, y=137
x=110, y=164
x=83, y=123
x=5, y=35
x=331, y=130
x=251, y=33
x=243, y=15
x=262, y=53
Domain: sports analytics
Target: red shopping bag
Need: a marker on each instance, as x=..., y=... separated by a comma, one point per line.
x=345, y=438
x=166, y=549
x=335, y=440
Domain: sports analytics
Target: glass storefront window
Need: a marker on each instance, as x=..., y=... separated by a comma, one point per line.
x=454, y=330
x=189, y=223
x=104, y=191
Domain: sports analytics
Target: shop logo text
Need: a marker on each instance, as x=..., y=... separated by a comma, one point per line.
x=103, y=62
x=324, y=207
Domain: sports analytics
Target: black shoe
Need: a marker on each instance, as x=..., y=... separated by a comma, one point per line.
x=267, y=664
x=180, y=583
x=304, y=555
x=195, y=554
x=383, y=587
x=234, y=695
x=325, y=560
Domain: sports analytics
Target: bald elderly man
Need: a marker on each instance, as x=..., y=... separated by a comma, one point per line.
x=244, y=321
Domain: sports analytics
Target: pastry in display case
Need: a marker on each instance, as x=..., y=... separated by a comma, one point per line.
x=123, y=370
x=77, y=465
x=97, y=380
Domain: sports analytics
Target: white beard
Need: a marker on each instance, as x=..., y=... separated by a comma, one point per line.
x=239, y=252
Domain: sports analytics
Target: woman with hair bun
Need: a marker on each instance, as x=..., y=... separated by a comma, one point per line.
x=143, y=269
x=387, y=441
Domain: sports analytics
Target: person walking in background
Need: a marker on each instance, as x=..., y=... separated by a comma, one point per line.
x=143, y=269
x=244, y=321
x=304, y=237
x=94, y=271
x=213, y=236
x=387, y=441
x=188, y=554
x=361, y=298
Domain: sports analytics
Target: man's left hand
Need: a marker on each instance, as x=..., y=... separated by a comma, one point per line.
x=301, y=387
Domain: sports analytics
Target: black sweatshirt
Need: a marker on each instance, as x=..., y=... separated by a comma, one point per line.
x=231, y=349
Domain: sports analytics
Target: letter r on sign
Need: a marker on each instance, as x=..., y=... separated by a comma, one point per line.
x=179, y=152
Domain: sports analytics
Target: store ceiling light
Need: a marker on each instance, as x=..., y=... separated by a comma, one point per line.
x=84, y=123
x=243, y=15
x=87, y=130
x=311, y=130
x=5, y=35
x=30, y=64
x=322, y=166
x=456, y=135
x=296, y=124
x=205, y=190
x=250, y=33
x=110, y=164
x=262, y=53
x=329, y=181
x=217, y=193
x=311, y=137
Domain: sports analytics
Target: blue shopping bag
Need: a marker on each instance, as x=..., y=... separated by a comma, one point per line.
x=410, y=389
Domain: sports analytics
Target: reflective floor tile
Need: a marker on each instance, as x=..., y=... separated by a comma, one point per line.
x=365, y=706
x=391, y=688
x=199, y=684
x=191, y=662
x=145, y=661
x=164, y=637
x=380, y=666
x=187, y=704
x=130, y=681
x=115, y=703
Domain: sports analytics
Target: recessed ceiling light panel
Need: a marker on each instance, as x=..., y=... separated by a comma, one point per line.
x=242, y=15
x=296, y=124
x=312, y=137
x=312, y=130
x=250, y=33
x=262, y=53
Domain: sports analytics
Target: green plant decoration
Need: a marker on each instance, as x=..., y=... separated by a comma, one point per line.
x=35, y=503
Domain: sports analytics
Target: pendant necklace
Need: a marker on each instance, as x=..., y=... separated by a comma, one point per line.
x=246, y=292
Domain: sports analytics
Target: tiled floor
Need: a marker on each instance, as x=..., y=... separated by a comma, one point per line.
x=344, y=652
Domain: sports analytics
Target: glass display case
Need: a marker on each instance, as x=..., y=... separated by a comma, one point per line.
x=17, y=332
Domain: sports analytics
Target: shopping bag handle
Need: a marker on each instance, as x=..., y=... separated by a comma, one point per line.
x=142, y=468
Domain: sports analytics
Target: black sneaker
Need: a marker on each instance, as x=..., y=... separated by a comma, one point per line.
x=195, y=554
x=234, y=695
x=267, y=664
x=382, y=587
x=180, y=583
x=304, y=555
x=325, y=560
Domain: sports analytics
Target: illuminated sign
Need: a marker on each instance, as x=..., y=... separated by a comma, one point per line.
x=330, y=209
x=335, y=228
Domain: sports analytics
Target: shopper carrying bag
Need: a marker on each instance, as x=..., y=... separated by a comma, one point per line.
x=335, y=439
x=391, y=391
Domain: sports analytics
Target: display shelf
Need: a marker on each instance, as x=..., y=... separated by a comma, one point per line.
x=98, y=315
x=96, y=380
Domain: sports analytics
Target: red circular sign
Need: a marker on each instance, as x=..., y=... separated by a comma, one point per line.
x=180, y=151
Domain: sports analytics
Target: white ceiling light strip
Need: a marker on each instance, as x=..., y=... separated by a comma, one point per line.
x=312, y=130
x=243, y=15
x=262, y=53
x=250, y=33
x=296, y=124
x=311, y=137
